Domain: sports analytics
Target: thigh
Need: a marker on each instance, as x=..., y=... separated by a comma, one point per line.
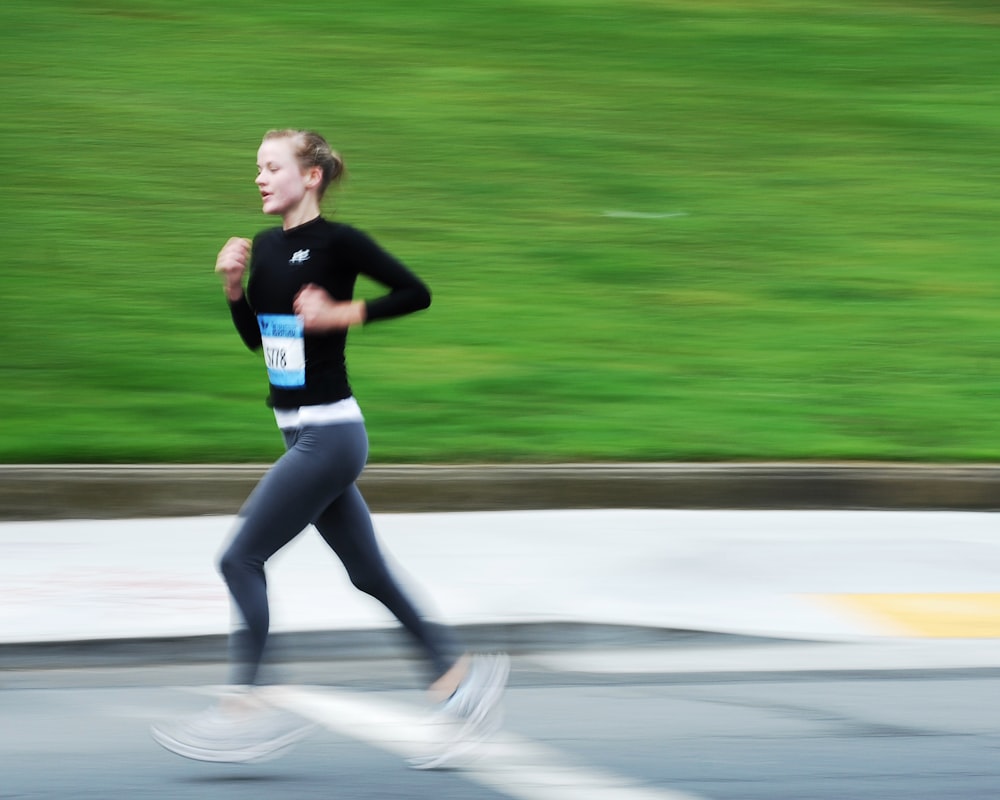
x=320, y=463
x=346, y=526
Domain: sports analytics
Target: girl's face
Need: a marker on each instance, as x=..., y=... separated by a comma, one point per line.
x=283, y=184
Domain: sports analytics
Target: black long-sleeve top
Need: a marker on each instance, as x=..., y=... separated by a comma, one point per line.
x=331, y=255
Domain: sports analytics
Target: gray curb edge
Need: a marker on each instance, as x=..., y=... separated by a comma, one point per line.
x=341, y=645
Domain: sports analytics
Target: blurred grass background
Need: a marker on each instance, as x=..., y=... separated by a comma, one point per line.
x=654, y=229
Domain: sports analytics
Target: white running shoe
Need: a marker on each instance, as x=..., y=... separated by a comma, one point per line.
x=239, y=728
x=471, y=715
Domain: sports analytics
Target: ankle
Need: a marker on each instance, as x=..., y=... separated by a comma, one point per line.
x=445, y=686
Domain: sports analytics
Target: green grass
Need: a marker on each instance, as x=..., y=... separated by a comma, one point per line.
x=814, y=276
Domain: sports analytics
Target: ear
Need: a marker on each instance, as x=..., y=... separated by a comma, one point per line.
x=314, y=177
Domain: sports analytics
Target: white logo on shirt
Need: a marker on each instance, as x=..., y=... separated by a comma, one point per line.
x=299, y=257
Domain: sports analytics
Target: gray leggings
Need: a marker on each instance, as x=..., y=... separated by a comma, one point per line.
x=314, y=483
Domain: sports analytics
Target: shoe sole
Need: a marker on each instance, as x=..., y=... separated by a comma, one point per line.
x=446, y=759
x=264, y=751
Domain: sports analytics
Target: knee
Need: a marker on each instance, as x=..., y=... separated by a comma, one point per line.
x=232, y=563
x=370, y=581
x=227, y=565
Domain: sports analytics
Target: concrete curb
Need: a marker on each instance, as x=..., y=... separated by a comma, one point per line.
x=388, y=643
x=38, y=492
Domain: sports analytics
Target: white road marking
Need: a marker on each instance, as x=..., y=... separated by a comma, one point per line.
x=643, y=214
x=517, y=767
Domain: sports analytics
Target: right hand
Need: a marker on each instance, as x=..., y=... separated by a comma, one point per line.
x=231, y=264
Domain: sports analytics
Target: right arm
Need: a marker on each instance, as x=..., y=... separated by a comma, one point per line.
x=231, y=265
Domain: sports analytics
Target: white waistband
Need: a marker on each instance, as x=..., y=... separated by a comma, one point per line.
x=346, y=410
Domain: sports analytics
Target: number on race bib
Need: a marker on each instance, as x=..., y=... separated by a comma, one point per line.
x=283, y=340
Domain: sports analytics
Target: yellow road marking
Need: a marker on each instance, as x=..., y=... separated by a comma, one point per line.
x=954, y=615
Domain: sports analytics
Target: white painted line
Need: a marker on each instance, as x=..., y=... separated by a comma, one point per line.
x=643, y=214
x=519, y=768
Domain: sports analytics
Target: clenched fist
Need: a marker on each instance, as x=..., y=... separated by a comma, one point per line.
x=320, y=312
x=231, y=264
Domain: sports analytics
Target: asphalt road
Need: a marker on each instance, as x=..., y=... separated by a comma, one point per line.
x=581, y=725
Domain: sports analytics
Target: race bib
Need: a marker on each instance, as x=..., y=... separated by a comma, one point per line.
x=284, y=349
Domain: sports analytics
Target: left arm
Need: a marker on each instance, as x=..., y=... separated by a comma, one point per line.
x=407, y=293
x=321, y=313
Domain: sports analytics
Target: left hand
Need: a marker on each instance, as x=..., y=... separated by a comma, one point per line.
x=321, y=313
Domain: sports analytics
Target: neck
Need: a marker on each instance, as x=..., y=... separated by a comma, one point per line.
x=300, y=215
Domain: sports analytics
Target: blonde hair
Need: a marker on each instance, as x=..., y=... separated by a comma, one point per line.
x=312, y=150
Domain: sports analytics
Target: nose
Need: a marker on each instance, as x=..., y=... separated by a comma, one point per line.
x=259, y=180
